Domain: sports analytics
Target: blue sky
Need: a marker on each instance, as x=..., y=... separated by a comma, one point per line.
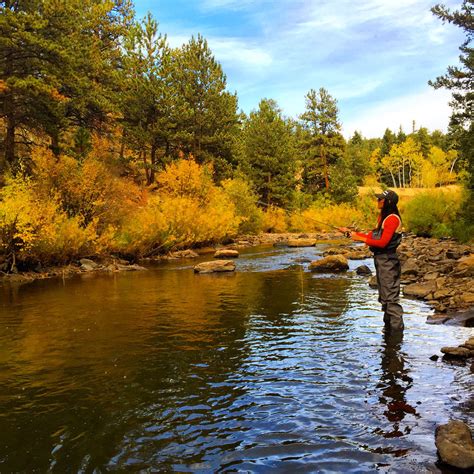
x=374, y=56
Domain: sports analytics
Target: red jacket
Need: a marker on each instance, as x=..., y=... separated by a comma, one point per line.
x=389, y=227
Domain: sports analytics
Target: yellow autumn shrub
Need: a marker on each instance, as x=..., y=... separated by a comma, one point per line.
x=275, y=219
x=88, y=188
x=316, y=219
x=33, y=229
x=245, y=201
x=185, y=177
x=187, y=210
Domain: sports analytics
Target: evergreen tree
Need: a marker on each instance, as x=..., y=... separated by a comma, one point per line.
x=324, y=143
x=207, y=111
x=267, y=154
x=57, y=61
x=460, y=80
x=147, y=99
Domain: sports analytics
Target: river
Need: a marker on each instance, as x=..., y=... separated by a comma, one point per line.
x=268, y=369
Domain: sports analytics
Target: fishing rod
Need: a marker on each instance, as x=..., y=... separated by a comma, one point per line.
x=346, y=233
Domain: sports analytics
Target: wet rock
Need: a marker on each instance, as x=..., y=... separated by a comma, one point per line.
x=373, y=281
x=358, y=255
x=363, y=270
x=226, y=253
x=434, y=357
x=469, y=344
x=460, y=352
x=302, y=260
x=331, y=263
x=88, y=265
x=301, y=243
x=205, y=250
x=455, y=445
x=335, y=251
x=420, y=290
x=215, y=266
x=184, y=254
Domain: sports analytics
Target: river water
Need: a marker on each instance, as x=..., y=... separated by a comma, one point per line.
x=269, y=369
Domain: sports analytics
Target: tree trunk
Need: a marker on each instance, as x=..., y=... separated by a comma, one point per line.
x=325, y=162
x=151, y=176
x=9, y=145
x=393, y=179
x=55, y=148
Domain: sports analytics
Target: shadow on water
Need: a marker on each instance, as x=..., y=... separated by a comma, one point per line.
x=270, y=368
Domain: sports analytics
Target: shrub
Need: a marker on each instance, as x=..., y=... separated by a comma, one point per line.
x=275, y=219
x=318, y=218
x=88, y=189
x=432, y=213
x=245, y=200
x=33, y=229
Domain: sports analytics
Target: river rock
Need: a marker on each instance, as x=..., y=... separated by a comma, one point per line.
x=184, y=254
x=465, y=265
x=358, y=254
x=88, y=265
x=455, y=445
x=331, y=263
x=226, y=253
x=301, y=242
x=373, y=281
x=420, y=290
x=469, y=344
x=461, y=352
x=410, y=267
x=335, y=251
x=363, y=270
x=215, y=266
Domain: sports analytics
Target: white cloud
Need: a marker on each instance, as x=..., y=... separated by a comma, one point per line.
x=429, y=108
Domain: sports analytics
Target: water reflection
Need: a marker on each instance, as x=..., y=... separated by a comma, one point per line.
x=395, y=382
x=167, y=370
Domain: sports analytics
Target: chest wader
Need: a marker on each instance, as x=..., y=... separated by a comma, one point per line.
x=388, y=271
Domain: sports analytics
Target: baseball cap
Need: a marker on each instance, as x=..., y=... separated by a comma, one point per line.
x=389, y=195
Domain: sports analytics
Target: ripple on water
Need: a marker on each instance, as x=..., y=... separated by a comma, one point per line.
x=267, y=369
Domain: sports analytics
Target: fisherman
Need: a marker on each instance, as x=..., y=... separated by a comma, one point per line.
x=383, y=242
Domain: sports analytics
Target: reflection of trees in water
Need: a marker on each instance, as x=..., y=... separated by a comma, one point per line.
x=394, y=383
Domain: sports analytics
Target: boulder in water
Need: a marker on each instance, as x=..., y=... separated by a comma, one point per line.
x=455, y=445
x=301, y=242
x=363, y=270
x=226, y=253
x=331, y=263
x=215, y=266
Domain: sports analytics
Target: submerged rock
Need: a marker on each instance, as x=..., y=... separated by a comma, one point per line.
x=215, y=266
x=331, y=263
x=363, y=270
x=226, y=253
x=455, y=445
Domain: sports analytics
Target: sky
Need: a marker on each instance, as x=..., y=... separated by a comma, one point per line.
x=374, y=56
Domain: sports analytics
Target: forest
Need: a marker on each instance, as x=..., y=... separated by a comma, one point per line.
x=113, y=142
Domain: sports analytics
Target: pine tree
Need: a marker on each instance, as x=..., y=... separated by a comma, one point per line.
x=267, y=154
x=324, y=144
x=207, y=111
